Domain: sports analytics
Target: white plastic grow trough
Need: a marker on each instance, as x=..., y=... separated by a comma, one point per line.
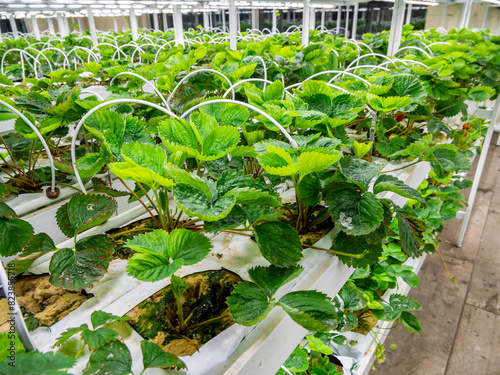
x=364, y=350
x=266, y=348
x=125, y=213
x=26, y=203
x=239, y=350
x=358, y=359
x=7, y=126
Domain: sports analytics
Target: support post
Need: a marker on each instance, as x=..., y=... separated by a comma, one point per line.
x=206, y=26
x=80, y=23
x=312, y=18
x=368, y=17
x=274, y=27
x=178, y=28
x=223, y=17
x=93, y=32
x=255, y=19
x=61, y=25
x=115, y=23
x=479, y=171
x=1, y=37
x=465, y=15
x=238, y=15
x=165, y=21
x=305, y=23
x=444, y=15
x=156, y=22
x=396, y=27
x=13, y=26
x=323, y=19
x=408, y=14
x=133, y=24
x=355, y=21
x=36, y=29
x=233, y=27
x=339, y=19
x=347, y=10
x=485, y=19
x=50, y=21
x=66, y=23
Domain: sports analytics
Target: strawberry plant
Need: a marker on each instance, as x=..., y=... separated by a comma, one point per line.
x=221, y=168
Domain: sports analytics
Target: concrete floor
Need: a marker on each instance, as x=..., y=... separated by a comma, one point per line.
x=461, y=322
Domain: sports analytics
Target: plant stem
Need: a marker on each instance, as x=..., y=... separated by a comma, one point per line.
x=290, y=212
x=125, y=232
x=141, y=202
x=178, y=219
x=29, y=171
x=299, y=205
x=4, y=170
x=445, y=266
x=398, y=169
x=180, y=314
x=78, y=354
x=35, y=159
x=358, y=256
x=235, y=232
x=164, y=222
x=225, y=315
x=148, y=197
x=11, y=156
x=198, y=169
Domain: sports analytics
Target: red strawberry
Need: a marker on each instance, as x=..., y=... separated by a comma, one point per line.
x=399, y=116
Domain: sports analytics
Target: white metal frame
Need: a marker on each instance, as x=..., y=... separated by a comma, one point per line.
x=492, y=115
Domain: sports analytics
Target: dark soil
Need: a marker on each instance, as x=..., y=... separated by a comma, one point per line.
x=316, y=228
x=121, y=251
x=156, y=318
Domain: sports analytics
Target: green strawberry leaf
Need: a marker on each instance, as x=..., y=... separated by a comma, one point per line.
x=160, y=254
x=39, y=245
x=97, y=338
x=386, y=182
x=480, y=93
x=69, y=333
x=359, y=171
x=353, y=298
x=112, y=358
x=298, y=361
x=311, y=309
x=279, y=243
x=15, y=234
x=411, y=322
x=49, y=363
x=154, y=356
x=83, y=212
x=354, y=212
x=271, y=278
x=81, y=268
x=99, y=318
x=248, y=304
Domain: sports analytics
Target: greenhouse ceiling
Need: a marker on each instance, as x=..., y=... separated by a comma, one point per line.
x=72, y=8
